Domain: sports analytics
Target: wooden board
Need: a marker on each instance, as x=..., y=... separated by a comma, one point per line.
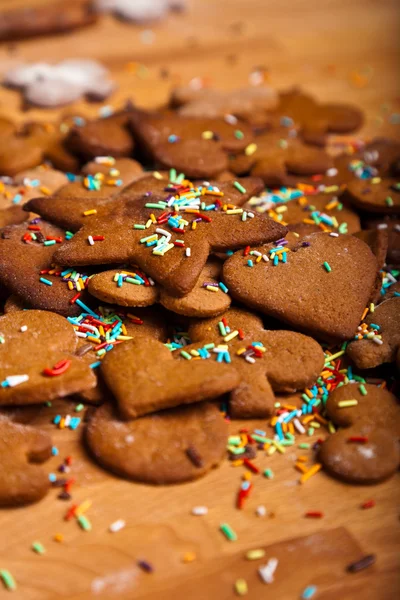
x=344, y=50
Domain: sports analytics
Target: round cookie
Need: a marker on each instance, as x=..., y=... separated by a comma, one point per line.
x=172, y=446
x=367, y=449
x=21, y=480
x=382, y=196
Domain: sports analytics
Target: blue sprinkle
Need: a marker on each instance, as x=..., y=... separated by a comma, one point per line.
x=95, y=364
x=223, y=287
x=250, y=263
x=309, y=592
x=229, y=252
x=54, y=451
x=52, y=477
x=57, y=419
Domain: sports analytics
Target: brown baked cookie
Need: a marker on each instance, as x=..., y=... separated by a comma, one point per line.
x=48, y=19
x=282, y=361
x=171, y=446
x=67, y=208
x=391, y=224
x=27, y=268
x=37, y=361
x=13, y=303
x=173, y=245
x=320, y=286
x=131, y=287
x=374, y=195
x=366, y=450
x=107, y=136
x=316, y=120
x=26, y=185
x=196, y=147
x=250, y=104
x=144, y=378
x=280, y=160
x=22, y=481
x=379, y=157
x=380, y=339
x=309, y=214
x=377, y=240
x=30, y=146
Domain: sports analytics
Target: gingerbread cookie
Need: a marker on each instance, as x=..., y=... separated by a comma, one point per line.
x=263, y=360
x=379, y=339
x=48, y=19
x=144, y=378
x=27, y=268
x=375, y=195
x=172, y=446
x=366, y=450
x=391, y=224
x=315, y=120
x=280, y=161
x=37, y=362
x=108, y=136
x=71, y=206
x=49, y=85
x=22, y=481
x=197, y=147
x=173, y=245
x=250, y=104
x=128, y=287
x=320, y=286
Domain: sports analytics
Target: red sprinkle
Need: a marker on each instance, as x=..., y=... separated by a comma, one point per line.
x=246, y=251
x=33, y=227
x=358, y=439
x=314, y=514
x=251, y=466
x=74, y=299
x=70, y=512
x=241, y=334
x=58, y=369
x=368, y=504
x=98, y=238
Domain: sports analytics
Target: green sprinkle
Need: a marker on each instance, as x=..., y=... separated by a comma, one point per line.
x=310, y=431
x=84, y=523
x=342, y=228
x=362, y=389
x=46, y=281
x=235, y=440
x=222, y=329
x=304, y=446
x=228, y=532
x=172, y=175
x=79, y=407
x=8, y=580
x=234, y=450
x=268, y=473
x=49, y=243
x=138, y=226
x=209, y=346
x=239, y=135
x=327, y=267
x=155, y=205
x=38, y=548
x=389, y=201
x=239, y=187
x=261, y=438
x=186, y=355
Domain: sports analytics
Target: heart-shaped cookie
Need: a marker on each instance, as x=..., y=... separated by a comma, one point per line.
x=321, y=286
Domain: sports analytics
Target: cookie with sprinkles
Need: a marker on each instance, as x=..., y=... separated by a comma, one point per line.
x=315, y=120
x=375, y=195
x=22, y=449
x=264, y=360
x=198, y=147
x=131, y=287
x=144, y=378
x=106, y=136
x=377, y=339
x=366, y=447
x=171, y=446
x=320, y=286
x=170, y=240
x=37, y=361
x=27, y=269
x=280, y=160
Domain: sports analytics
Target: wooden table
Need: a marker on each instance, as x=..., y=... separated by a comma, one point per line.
x=344, y=50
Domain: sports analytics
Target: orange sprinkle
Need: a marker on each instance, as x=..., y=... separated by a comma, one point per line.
x=312, y=471
x=300, y=467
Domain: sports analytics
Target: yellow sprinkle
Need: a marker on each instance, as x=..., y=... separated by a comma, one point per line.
x=371, y=307
x=45, y=190
x=240, y=351
x=271, y=450
x=312, y=471
x=194, y=352
x=331, y=427
x=212, y=288
x=237, y=463
x=231, y=335
x=255, y=554
x=124, y=337
x=234, y=211
x=157, y=175
x=83, y=507
x=250, y=149
x=347, y=403
x=194, y=225
x=376, y=180
x=280, y=448
x=148, y=223
x=92, y=211
x=70, y=285
x=153, y=218
x=207, y=135
x=281, y=209
x=241, y=587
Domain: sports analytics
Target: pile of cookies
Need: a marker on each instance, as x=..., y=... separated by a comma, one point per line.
x=211, y=261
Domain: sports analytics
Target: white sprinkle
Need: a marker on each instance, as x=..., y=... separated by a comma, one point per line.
x=80, y=334
x=333, y=234
x=24, y=328
x=265, y=257
x=117, y=526
x=199, y=510
x=67, y=420
x=250, y=359
x=261, y=511
x=383, y=226
x=267, y=571
x=250, y=215
x=298, y=426
x=231, y=119
x=396, y=227
x=332, y=172
x=151, y=282
x=187, y=252
x=90, y=240
x=377, y=341
x=256, y=253
x=164, y=232
x=13, y=380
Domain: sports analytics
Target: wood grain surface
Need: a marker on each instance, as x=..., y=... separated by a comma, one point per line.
x=343, y=50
